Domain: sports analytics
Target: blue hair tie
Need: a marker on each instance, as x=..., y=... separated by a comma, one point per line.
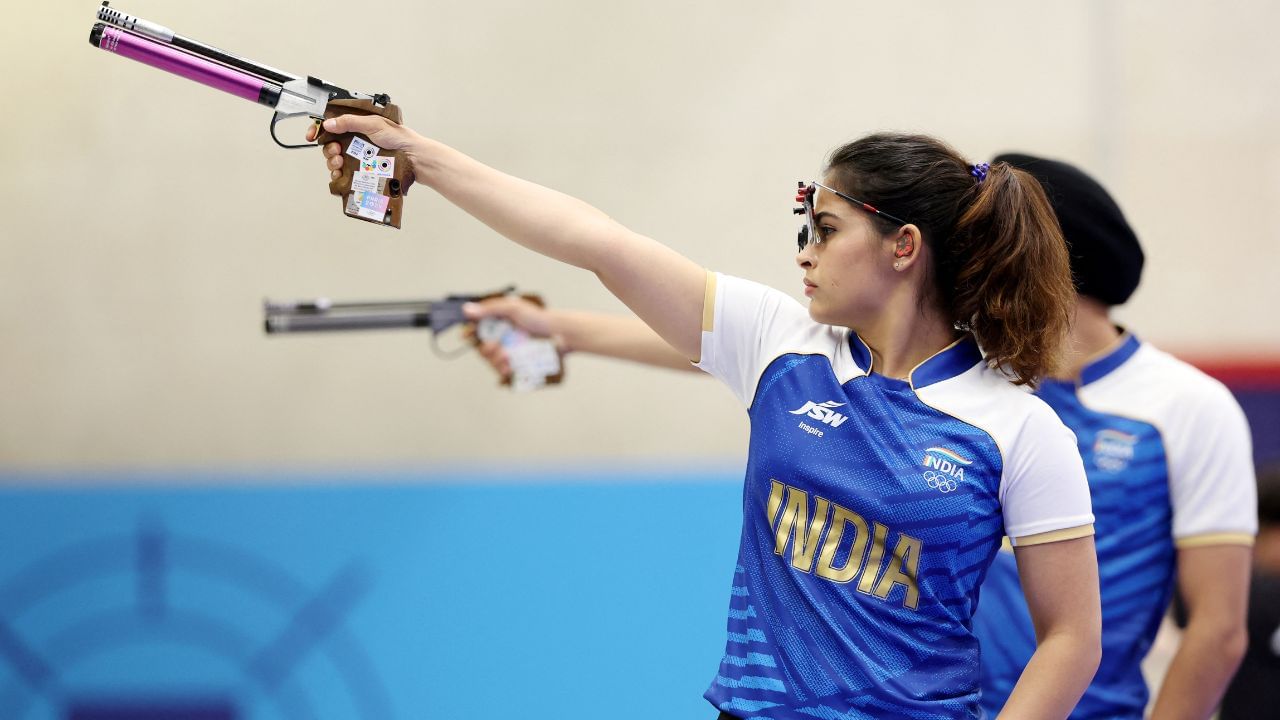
x=980, y=171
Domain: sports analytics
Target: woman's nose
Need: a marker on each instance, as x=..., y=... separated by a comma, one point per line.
x=804, y=258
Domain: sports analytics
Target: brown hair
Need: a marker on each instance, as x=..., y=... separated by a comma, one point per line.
x=1000, y=270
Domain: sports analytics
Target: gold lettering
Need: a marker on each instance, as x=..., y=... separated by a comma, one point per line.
x=872, y=568
x=788, y=514
x=902, y=570
x=801, y=530
x=797, y=502
x=775, y=501
x=840, y=517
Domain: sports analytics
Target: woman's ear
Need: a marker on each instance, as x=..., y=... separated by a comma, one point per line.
x=906, y=247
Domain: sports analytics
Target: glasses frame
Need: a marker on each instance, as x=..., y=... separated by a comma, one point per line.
x=804, y=195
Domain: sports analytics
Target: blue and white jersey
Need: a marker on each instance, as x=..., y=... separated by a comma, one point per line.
x=871, y=510
x=1166, y=449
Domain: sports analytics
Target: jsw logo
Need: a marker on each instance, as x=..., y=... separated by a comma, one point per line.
x=822, y=412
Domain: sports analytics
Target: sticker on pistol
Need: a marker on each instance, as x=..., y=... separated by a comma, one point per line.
x=524, y=382
x=362, y=149
x=385, y=166
x=366, y=182
x=369, y=205
x=533, y=360
x=536, y=356
x=380, y=166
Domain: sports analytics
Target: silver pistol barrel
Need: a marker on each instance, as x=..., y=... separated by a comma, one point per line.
x=160, y=33
x=111, y=16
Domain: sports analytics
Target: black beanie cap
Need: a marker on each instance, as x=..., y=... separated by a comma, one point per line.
x=1106, y=259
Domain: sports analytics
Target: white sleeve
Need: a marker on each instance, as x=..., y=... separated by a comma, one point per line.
x=1211, y=479
x=1044, y=492
x=744, y=327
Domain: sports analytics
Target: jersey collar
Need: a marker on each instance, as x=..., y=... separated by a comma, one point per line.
x=945, y=364
x=861, y=353
x=1111, y=359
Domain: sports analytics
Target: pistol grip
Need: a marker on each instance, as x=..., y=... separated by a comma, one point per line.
x=509, y=380
x=551, y=379
x=355, y=204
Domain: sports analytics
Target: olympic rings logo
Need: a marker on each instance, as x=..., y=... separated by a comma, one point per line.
x=940, y=482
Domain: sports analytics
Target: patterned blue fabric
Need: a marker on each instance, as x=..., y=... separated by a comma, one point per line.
x=868, y=466
x=1128, y=478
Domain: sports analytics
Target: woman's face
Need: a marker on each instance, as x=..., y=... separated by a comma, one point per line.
x=848, y=273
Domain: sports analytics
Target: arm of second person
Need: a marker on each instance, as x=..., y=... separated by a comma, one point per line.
x=1214, y=583
x=613, y=336
x=662, y=287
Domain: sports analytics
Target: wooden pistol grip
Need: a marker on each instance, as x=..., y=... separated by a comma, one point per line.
x=394, y=186
x=536, y=300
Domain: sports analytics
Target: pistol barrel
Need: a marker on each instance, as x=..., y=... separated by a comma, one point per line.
x=162, y=34
x=170, y=59
x=275, y=324
x=155, y=31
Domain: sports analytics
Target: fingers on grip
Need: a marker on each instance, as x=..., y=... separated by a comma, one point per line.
x=493, y=354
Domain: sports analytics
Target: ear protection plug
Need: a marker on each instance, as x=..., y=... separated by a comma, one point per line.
x=904, y=249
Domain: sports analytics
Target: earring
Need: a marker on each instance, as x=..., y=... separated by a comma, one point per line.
x=897, y=265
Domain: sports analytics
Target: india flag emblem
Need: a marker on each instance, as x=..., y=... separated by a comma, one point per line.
x=951, y=455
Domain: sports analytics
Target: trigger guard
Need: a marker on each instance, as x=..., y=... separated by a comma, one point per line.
x=277, y=117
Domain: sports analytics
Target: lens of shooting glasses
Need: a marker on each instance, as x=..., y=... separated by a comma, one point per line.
x=802, y=238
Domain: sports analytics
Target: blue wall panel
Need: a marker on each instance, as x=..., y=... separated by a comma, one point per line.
x=373, y=598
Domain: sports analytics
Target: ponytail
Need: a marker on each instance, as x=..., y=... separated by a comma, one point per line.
x=1012, y=275
x=1000, y=270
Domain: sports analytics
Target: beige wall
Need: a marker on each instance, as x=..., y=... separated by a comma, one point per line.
x=148, y=216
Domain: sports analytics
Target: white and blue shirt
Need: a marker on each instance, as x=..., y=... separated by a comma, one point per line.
x=1167, y=452
x=871, y=510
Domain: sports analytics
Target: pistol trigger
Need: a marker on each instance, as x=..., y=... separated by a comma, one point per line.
x=276, y=118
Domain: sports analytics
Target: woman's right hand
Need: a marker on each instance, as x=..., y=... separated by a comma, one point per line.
x=380, y=131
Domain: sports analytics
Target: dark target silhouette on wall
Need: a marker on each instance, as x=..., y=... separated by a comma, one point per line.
x=159, y=625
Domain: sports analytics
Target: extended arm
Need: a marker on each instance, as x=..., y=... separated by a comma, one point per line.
x=1214, y=583
x=659, y=285
x=614, y=336
x=1060, y=582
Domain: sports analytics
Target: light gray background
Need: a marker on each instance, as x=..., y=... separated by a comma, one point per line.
x=148, y=216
